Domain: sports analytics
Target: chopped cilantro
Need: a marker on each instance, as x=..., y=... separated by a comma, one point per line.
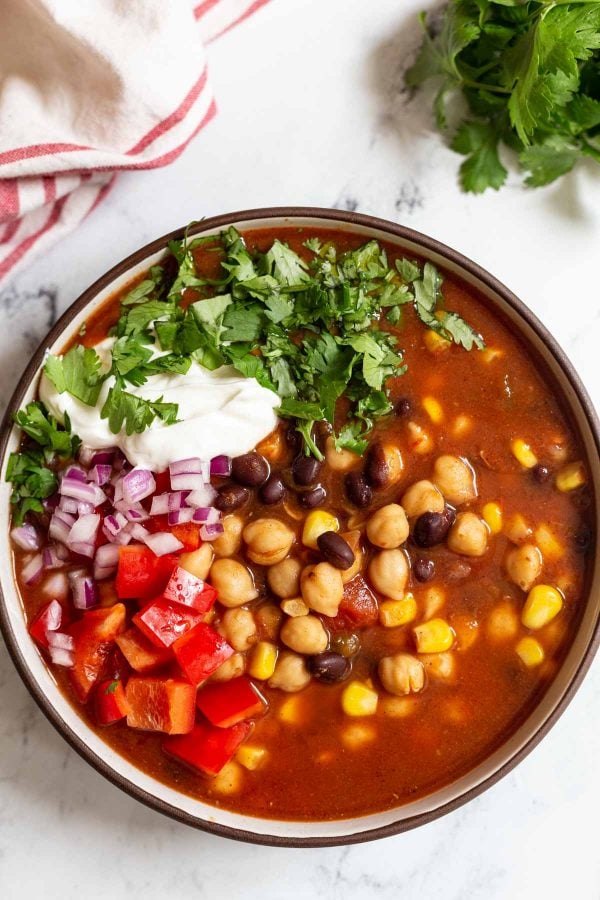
x=77, y=372
x=134, y=414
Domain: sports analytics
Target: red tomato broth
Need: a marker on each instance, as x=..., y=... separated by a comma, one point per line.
x=312, y=771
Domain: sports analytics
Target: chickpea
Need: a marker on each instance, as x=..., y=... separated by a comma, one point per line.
x=339, y=460
x=352, y=538
x=239, y=628
x=524, y=565
x=439, y=665
x=291, y=673
x=503, y=622
x=284, y=578
x=304, y=634
x=268, y=619
x=322, y=588
x=233, y=582
x=229, y=543
x=268, y=541
x=198, y=562
x=401, y=674
x=468, y=535
x=422, y=497
x=231, y=668
x=384, y=465
x=455, y=479
x=388, y=527
x=388, y=572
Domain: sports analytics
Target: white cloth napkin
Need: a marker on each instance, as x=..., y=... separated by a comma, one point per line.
x=89, y=87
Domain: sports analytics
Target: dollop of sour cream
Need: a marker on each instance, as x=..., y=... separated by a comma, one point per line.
x=220, y=412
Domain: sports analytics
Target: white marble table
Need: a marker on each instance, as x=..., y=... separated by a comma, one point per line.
x=312, y=112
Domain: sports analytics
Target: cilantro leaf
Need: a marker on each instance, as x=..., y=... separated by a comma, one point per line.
x=134, y=414
x=43, y=428
x=478, y=141
x=77, y=373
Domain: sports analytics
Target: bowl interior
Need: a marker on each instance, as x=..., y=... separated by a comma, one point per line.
x=195, y=812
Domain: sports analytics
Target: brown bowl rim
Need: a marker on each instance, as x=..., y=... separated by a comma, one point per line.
x=429, y=244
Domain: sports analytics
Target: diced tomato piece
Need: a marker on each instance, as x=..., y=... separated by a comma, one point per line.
x=227, y=703
x=161, y=704
x=163, y=622
x=359, y=605
x=183, y=587
x=49, y=618
x=189, y=535
x=94, y=635
x=141, y=574
x=163, y=482
x=140, y=653
x=201, y=651
x=206, y=747
x=111, y=702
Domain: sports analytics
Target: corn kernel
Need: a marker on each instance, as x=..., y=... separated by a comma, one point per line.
x=492, y=516
x=435, y=343
x=397, y=707
x=551, y=548
x=542, y=605
x=393, y=613
x=418, y=439
x=251, y=757
x=358, y=734
x=461, y=425
x=229, y=779
x=530, y=651
x=317, y=523
x=263, y=657
x=433, y=636
x=291, y=711
x=433, y=409
x=490, y=354
x=570, y=477
x=523, y=453
x=359, y=699
x=517, y=530
x=295, y=607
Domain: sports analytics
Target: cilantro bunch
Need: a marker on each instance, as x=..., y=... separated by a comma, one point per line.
x=529, y=71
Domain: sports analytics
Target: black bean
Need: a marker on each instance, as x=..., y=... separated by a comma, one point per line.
x=357, y=489
x=272, y=490
x=423, y=569
x=251, y=469
x=315, y=497
x=403, y=406
x=377, y=470
x=231, y=496
x=583, y=539
x=540, y=473
x=305, y=469
x=431, y=528
x=336, y=550
x=329, y=667
x=293, y=437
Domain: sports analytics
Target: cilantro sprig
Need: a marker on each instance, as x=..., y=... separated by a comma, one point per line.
x=529, y=72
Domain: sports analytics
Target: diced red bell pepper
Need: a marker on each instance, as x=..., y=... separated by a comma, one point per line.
x=94, y=635
x=189, y=535
x=358, y=607
x=201, y=651
x=49, y=618
x=161, y=704
x=227, y=703
x=140, y=653
x=207, y=748
x=141, y=574
x=183, y=587
x=163, y=622
x=111, y=702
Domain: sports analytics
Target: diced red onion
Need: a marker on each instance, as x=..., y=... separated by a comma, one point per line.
x=114, y=524
x=87, y=493
x=68, y=505
x=138, y=532
x=220, y=465
x=26, y=537
x=177, y=500
x=60, y=640
x=76, y=473
x=204, y=496
x=180, y=516
x=103, y=457
x=137, y=484
x=211, y=532
x=86, y=455
x=51, y=559
x=50, y=503
x=190, y=466
x=163, y=542
x=133, y=512
x=160, y=505
x=62, y=657
x=32, y=570
x=101, y=473
x=105, y=561
x=53, y=615
x=59, y=529
x=84, y=509
x=56, y=586
x=187, y=482
x=82, y=537
x=207, y=515
x=61, y=551
x=84, y=590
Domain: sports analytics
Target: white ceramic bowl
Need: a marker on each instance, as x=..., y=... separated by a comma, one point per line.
x=148, y=790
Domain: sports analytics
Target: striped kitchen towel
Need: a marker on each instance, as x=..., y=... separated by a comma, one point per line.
x=88, y=89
